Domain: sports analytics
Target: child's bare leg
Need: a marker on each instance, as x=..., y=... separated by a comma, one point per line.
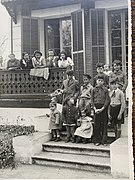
x=58, y=135
x=53, y=134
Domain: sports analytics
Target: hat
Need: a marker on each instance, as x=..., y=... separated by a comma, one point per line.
x=118, y=62
x=70, y=72
x=87, y=75
x=100, y=76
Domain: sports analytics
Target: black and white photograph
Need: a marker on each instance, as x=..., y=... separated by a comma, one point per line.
x=65, y=89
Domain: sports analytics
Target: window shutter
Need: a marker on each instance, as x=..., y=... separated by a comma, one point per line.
x=78, y=54
x=97, y=17
x=30, y=35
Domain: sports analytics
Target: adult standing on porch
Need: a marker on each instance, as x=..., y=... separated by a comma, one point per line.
x=52, y=60
x=38, y=60
x=118, y=73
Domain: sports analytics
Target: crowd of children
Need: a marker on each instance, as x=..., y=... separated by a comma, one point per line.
x=88, y=110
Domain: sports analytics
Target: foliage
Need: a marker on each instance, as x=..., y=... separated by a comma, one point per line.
x=7, y=132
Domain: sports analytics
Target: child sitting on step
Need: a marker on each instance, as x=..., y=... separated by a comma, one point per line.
x=55, y=121
x=85, y=131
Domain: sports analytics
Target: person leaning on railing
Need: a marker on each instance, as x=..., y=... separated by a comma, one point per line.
x=26, y=62
x=13, y=63
x=38, y=60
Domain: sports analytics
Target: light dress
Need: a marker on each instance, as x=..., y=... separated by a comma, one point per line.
x=86, y=128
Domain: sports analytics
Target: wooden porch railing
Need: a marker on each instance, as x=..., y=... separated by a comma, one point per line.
x=20, y=82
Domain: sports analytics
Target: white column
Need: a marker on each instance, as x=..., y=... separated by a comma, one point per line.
x=41, y=36
x=17, y=35
x=106, y=38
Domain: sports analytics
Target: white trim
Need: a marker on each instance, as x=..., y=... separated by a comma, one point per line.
x=83, y=33
x=41, y=36
x=76, y=52
x=61, y=45
x=56, y=12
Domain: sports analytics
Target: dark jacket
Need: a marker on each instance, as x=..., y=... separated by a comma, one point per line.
x=100, y=95
x=69, y=114
x=71, y=89
x=24, y=64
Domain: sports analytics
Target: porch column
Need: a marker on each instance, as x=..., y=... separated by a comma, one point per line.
x=17, y=44
x=41, y=36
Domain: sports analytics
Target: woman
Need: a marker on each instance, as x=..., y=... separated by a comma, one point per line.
x=38, y=60
x=52, y=60
x=26, y=62
x=64, y=61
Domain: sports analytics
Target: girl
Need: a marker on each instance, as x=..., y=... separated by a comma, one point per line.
x=55, y=122
x=38, y=60
x=85, y=130
x=64, y=61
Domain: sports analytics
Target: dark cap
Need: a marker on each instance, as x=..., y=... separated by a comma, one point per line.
x=99, y=65
x=100, y=76
x=70, y=72
x=87, y=75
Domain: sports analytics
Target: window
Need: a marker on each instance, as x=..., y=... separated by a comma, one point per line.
x=97, y=18
x=118, y=32
x=58, y=35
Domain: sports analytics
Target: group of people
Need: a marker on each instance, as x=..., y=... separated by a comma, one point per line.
x=88, y=110
x=38, y=61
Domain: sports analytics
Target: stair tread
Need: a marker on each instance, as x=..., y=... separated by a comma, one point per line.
x=89, y=146
x=74, y=158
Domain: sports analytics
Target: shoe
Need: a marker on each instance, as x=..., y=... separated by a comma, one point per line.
x=104, y=144
x=53, y=139
x=73, y=141
x=97, y=144
x=85, y=141
x=67, y=140
x=57, y=139
x=78, y=140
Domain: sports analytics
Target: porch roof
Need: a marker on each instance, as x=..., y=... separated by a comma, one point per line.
x=11, y=5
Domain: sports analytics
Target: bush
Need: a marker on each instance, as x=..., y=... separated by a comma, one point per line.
x=7, y=132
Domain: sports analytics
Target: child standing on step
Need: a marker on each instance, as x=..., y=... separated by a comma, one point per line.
x=55, y=122
x=69, y=118
x=117, y=107
x=85, y=94
x=100, y=101
x=85, y=131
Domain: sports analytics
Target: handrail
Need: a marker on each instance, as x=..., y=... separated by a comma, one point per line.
x=20, y=81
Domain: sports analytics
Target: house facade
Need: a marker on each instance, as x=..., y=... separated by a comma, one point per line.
x=90, y=31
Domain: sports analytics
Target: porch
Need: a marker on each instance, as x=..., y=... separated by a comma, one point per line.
x=19, y=89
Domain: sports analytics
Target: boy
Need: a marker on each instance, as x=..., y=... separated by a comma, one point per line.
x=122, y=79
x=100, y=102
x=117, y=107
x=100, y=69
x=69, y=117
x=85, y=94
x=107, y=70
x=70, y=87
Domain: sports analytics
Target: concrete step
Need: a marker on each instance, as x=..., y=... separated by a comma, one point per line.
x=71, y=148
x=74, y=161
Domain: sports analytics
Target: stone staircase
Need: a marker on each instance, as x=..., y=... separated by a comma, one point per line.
x=80, y=156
